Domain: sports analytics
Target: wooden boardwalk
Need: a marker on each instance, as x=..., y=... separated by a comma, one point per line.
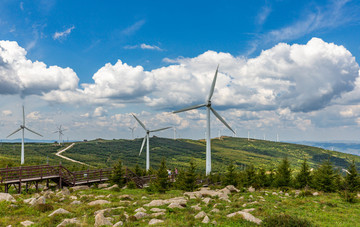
x=59, y=174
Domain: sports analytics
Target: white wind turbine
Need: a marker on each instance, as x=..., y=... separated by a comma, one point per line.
x=60, y=131
x=147, y=138
x=132, y=132
x=22, y=128
x=208, y=109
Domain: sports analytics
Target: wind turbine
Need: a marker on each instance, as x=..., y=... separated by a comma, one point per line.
x=147, y=138
x=22, y=128
x=208, y=109
x=60, y=131
x=132, y=132
x=174, y=133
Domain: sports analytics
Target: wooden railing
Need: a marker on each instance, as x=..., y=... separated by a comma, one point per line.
x=36, y=173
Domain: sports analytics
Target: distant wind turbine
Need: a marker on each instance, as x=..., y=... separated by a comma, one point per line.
x=208, y=109
x=147, y=138
x=174, y=133
x=132, y=132
x=60, y=131
x=22, y=128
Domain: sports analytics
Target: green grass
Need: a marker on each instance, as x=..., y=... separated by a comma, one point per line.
x=327, y=209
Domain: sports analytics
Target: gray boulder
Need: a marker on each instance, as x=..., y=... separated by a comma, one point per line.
x=155, y=221
x=67, y=222
x=59, y=211
x=7, y=197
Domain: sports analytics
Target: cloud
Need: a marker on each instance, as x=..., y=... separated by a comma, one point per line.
x=7, y=113
x=263, y=15
x=319, y=18
x=133, y=28
x=144, y=47
x=19, y=75
x=64, y=34
x=302, y=78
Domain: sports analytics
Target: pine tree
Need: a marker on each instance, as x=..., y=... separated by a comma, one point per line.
x=325, y=177
x=118, y=174
x=304, y=177
x=162, y=181
x=352, y=178
x=270, y=178
x=187, y=180
x=261, y=178
x=138, y=171
x=250, y=176
x=231, y=175
x=283, y=174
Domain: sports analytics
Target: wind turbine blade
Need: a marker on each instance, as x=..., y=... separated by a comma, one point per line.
x=13, y=133
x=190, y=108
x=156, y=130
x=221, y=119
x=23, y=115
x=142, y=125
x=213, y=85
x=33, y=131
x=142, y=145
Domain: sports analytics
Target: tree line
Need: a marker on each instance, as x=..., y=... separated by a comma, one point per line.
x=324, y=178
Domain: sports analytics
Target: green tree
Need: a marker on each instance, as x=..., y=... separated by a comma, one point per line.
x=270, y=178
x=138, y=170
x=352, y=178
x=325, y=177
x=283, y=174
x=250, y=176
x=231, y=175
x=117, y=176
x=261, y=178
x=187, y=180
x=304, y=177
x=162, y=181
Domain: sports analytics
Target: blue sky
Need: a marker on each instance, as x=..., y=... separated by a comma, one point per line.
x=286, y=67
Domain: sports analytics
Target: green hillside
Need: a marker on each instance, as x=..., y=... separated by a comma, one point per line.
x=178, y=153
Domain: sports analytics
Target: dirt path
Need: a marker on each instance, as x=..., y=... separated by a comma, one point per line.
x=69, y=159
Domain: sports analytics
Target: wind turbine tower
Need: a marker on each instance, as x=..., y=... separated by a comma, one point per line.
x=208, y=109
x=174, y=133
x=147, y=138
x=60, y=131
x=22, y=128
x=132, y=132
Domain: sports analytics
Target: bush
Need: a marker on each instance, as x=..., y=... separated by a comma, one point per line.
x=348, y=196
x=131, y=185
x=284, y=220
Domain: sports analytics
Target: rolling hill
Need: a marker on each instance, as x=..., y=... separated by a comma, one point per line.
x=178, y=153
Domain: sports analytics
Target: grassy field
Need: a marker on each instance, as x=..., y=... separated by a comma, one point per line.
x=323, y=210
x=178, y=153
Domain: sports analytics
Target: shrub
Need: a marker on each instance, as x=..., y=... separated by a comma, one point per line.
x=284, y=220
x=131, y=185
x=348, y=196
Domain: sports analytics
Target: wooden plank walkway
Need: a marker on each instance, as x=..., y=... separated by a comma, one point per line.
x=33, y=174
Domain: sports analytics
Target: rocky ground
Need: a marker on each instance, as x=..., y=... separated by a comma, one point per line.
x=107, y=205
